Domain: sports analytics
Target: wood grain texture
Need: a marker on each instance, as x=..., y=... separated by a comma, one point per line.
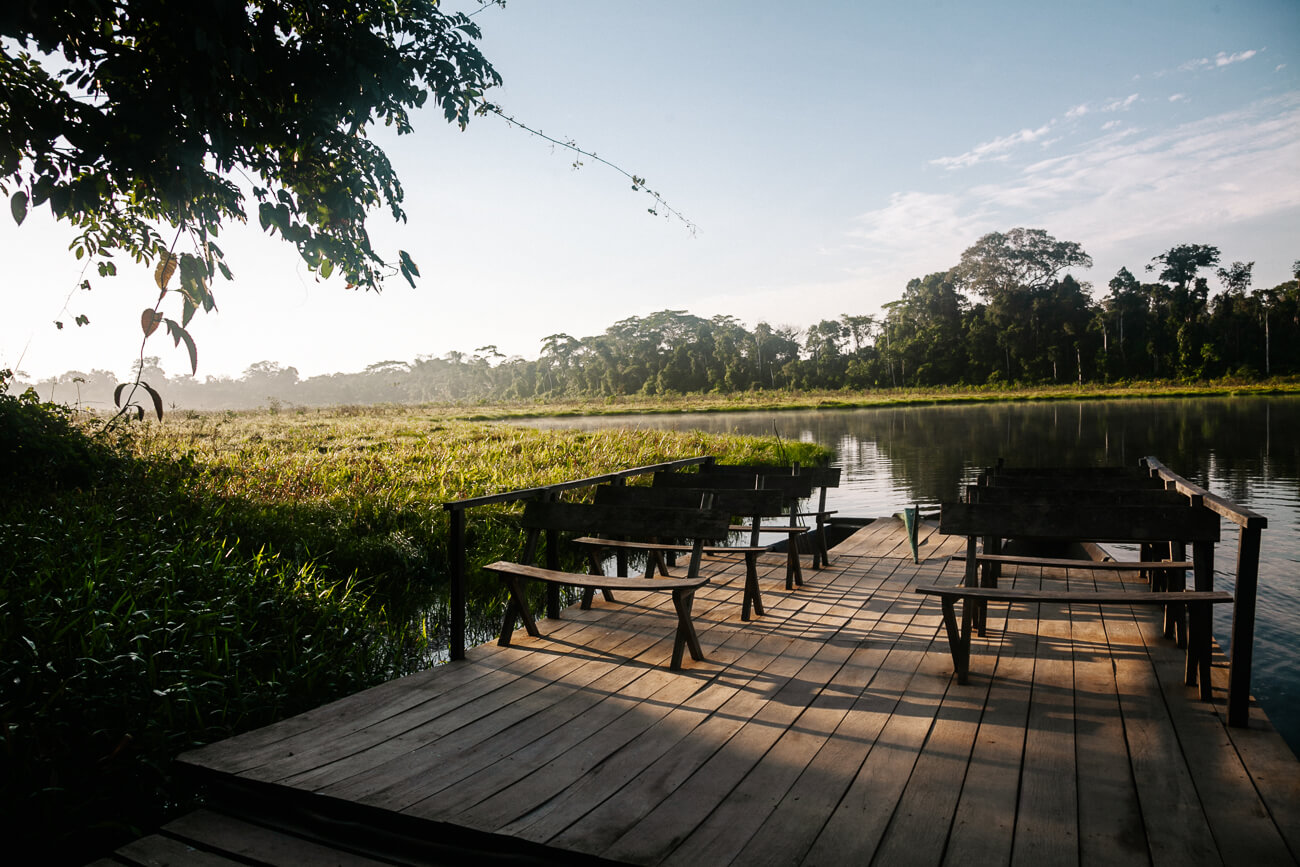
x=830, y=731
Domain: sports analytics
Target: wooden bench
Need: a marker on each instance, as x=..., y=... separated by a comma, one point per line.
x=1078, y=487
x=821, y=478
x=792, y=489
x=655, y=523
x=1064, y=520
x=1197, y=602
x=754, y=505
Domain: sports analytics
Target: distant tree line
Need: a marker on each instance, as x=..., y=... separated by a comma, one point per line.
x=1008, y=313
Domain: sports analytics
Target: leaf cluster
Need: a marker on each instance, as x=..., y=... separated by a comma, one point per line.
x=126, y=116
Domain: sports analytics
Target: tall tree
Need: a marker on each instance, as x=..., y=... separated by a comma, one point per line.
x=1015, y=261
x=1008, y=270
x=1186, y=304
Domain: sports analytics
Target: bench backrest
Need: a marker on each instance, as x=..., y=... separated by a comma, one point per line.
x=1061, y=482
x=1087, y=497
x=791, y=487
x=638, y=522
x=821, y=477
x=1072, y=521
x=745, y=503
x=1076, y=472
x=635, y=523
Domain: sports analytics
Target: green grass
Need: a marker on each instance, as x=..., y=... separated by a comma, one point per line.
x=210, y=574
x=776, y=401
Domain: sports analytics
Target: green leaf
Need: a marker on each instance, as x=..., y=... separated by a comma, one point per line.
x=18, y=207
x=407, y=267
x=180, y=335
x=265, y=213
x=157, y=400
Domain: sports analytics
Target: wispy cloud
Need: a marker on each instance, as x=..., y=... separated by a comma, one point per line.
x=1121, y=104
x=1121, y=186
x=1178, y=97
x=910, y=216
x=1000, y=149
x=997, y=149
x=1219, y=60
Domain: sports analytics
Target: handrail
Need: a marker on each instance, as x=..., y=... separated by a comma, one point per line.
x=1239, y=515
x=456, y=535
x=590, y=481
x=1246, y=585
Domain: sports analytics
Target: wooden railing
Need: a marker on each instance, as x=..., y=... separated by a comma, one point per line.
x=1242, y=642
x=456, y=539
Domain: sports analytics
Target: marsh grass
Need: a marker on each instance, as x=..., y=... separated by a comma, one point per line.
x=778, y=400
x=188, y=580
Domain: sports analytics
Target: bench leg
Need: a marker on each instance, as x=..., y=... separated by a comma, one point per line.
x=752, y=595
x=975, y=576
x=685, y=637
x=820, y=547
x=793, y=570
x=1198, y=649
x=958, y=638
x=594, y=568
x=516, y=606
x=589, y=595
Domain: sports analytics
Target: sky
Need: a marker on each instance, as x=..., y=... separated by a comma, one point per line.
x=824, y=152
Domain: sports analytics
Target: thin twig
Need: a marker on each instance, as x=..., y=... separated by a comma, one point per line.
x=638, y=183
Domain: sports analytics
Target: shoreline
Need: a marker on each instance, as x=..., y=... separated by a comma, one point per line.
x=796, y=401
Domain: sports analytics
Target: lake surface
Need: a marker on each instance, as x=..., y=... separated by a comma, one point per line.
x=1243, y=448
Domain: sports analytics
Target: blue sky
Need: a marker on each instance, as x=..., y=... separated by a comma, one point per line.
x=828, y=152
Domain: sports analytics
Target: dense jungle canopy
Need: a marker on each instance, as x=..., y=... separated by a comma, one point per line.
x=1008, y=313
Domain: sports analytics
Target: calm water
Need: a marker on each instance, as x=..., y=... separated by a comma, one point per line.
x=1247, y=449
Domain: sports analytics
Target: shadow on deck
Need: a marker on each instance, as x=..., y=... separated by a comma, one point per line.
x=830, y=731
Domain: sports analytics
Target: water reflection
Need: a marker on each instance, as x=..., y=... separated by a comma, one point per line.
x=1244, y=448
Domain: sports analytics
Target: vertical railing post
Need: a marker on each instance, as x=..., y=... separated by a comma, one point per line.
x=1243, y=626
x=458, y=594
x=553, y=563
x=620, y=555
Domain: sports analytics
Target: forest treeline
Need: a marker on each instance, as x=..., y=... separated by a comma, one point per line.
x=1009, y=313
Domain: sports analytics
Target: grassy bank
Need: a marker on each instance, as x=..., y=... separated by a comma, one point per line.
x=880, y=398
x=187, y=580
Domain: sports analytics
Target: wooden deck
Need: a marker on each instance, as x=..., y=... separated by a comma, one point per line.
x=830, y=731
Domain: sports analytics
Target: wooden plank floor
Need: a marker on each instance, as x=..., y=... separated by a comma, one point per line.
x=830, y=731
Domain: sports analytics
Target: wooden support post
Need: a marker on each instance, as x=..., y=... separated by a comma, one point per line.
x=972, y=579
x=456, y=639
x=553, y=562
x=1243, y=626
x=1173, y=580
x=620, y=555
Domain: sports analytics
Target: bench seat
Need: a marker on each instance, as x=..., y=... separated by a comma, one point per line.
x=1198, y=603
x=683, y=590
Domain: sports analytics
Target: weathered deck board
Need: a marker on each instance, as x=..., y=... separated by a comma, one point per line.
x=830, y=730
